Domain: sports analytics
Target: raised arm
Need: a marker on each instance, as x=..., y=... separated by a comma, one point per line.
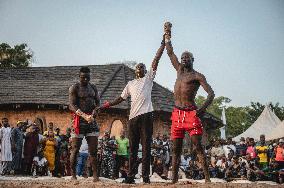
x=158, y=55
x=210, y=92
x=170, y=51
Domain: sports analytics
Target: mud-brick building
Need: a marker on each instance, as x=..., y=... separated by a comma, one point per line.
x=40, y=94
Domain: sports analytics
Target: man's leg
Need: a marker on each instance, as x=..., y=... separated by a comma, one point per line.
x=196, y=141
x=93, y=149
x=177, y=148
x=134, y=138
x=146, y=131
x=75, y=147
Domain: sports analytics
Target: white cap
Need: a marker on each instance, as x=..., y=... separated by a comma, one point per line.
x=281, y=140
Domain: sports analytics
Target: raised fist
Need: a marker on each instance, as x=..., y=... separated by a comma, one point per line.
x=168, y=28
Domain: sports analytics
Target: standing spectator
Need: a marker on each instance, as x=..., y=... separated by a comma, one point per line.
x=121, y=153
x=50, y=144
x=17, y=139
x=241, y=149
x=165, y=156
x=49, y=128
x=82, y=158
x=58, y=137
x=279, y=154
x=251, y=149
x=30, y=148
x=262, y=153
x=6, y=151
x=107, y=164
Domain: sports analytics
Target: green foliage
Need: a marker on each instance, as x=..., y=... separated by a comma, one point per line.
x=238, y=118
x=17, y=57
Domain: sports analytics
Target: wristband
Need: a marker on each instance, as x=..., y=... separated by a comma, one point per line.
x=106, y=105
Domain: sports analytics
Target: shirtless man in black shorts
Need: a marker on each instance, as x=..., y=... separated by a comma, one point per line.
x=83, y=99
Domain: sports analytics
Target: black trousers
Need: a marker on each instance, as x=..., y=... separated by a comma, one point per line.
x=140, y=128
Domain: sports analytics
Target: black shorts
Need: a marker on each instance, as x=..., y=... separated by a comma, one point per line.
x=86, y=129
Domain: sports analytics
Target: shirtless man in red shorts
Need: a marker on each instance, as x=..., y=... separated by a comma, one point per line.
x=185, y=116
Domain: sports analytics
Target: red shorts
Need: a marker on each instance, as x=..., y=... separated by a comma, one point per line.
x=185, y=120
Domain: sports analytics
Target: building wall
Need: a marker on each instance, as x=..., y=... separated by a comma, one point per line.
x=62, y=119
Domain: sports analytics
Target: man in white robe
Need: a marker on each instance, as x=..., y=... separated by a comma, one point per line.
x=6, y=151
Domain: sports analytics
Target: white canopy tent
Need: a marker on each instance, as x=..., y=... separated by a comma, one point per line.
x=264, y=124
x=277, y=132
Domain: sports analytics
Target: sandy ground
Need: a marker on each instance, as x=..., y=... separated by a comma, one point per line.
x=31, y=182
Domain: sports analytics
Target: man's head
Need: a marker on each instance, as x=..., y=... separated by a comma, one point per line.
x=50, y=126
x=122, y=134
x=21, y=124
x=57, y=130
x=262, y=139
x=84, y=75
x=107, y=135
x=165, y=137
x=68, y=131
x=5, y=122
x=187, y=59
x=229, y=140
x=281, y=142
x=140, y=70
x=242, y=140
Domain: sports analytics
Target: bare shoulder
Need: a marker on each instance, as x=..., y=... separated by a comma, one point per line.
x=73, y=88
x=94, y=87
x=200, y=76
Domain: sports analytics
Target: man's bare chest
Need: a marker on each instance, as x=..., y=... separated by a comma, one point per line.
x=187, y=79
x=85, y=93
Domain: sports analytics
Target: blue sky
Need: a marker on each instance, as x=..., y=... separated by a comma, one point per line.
x=238, y=44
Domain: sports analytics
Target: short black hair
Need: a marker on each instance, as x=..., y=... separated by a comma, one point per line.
x=85, y=70
x=4, y=118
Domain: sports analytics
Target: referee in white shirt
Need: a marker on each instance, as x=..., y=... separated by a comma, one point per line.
x=140, y=125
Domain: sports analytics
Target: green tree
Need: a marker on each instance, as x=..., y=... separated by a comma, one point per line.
x=17, y=57
x=256, y=108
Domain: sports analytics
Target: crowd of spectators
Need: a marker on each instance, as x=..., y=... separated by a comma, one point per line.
x=24, y=151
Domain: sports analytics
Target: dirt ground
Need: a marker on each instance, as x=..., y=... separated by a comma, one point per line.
x=85, y=183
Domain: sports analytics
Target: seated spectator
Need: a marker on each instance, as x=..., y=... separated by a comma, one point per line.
x=40, y=165
x=234, y=169
x=184, y=162
x=229, y=147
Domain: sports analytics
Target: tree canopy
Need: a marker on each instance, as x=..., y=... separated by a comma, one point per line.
x=15, y=57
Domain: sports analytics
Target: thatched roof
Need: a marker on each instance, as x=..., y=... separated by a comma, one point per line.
x=49, y=85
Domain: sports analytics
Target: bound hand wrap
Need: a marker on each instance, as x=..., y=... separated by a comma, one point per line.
x=106, y=105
